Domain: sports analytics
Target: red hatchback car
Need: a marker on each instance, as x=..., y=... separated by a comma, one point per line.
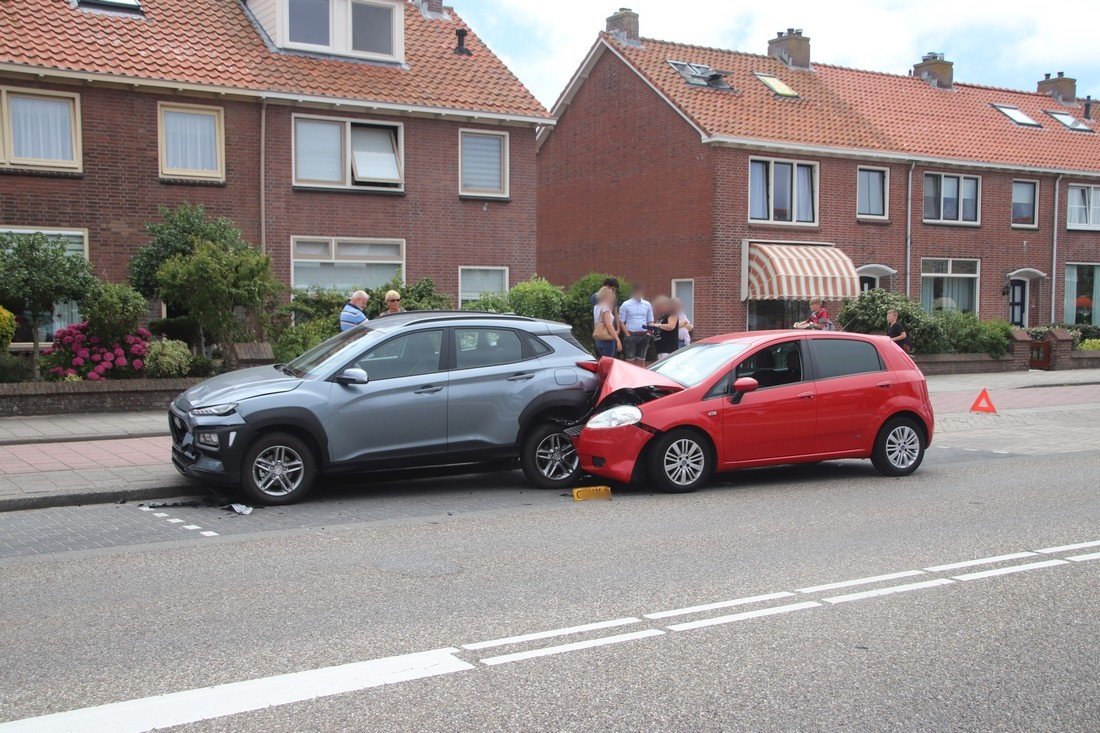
x=757, y=399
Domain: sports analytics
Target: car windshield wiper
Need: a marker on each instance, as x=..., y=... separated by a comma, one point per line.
x=286, y=370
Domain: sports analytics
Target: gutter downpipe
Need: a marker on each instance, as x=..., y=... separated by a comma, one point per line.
x=1054, y=253
x=263, y=176
x=909, y=233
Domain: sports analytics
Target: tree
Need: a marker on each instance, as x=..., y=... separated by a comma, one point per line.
x=213, y=282
x=112, y=310
x=176, y=234
x=36, y=272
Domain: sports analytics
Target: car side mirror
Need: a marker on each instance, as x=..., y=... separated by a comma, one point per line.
x=352, y=376
x=742, y=387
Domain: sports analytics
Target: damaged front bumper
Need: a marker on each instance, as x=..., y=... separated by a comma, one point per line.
x=611, y=453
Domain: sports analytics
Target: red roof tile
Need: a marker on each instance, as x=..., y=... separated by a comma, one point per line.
x=214, y=42
x=839, y=107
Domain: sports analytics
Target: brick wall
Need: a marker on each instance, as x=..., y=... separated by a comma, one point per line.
x=59, y=398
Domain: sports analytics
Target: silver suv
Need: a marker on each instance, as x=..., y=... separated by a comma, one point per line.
x=412, y=389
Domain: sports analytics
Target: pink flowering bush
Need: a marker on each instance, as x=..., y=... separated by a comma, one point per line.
x=77, y=354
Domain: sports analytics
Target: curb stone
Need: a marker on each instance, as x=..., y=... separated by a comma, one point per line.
x=166, y=490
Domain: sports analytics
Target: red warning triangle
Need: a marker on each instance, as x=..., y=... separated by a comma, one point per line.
x=983, y=404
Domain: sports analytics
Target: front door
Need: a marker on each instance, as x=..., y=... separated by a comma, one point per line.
x=779, y=419
x=1017, y=303
x=401, y=411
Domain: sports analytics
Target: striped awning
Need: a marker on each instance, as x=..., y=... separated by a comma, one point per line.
x=800, y=272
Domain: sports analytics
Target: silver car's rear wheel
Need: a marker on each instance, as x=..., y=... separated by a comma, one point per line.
x=278, y=468
x=548, y=457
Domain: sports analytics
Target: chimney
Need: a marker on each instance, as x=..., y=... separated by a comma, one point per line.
x=1088, y=107
x=792, y=48
x=430, y=7
x=936, y=70
x=460, y=49
x=624, y=25
x=1061, y=87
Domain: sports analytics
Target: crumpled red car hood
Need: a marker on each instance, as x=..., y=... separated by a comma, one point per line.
x=615, y=375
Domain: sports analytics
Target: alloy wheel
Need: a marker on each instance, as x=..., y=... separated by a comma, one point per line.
x=555, y=457
x=278, y=470
x=684, y=462
x=902, y=447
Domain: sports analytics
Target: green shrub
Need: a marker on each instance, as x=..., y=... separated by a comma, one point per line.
x=867, y=314
x=176, y=234
x=578, y=304
x=7, y=329
x=420, y=296
x=112, y=310
x=1090, y=345
x=14, y=368
x=538, y=298
x=167, y=359
x=202, y=367
x=489, y=303
x=177, y=328
x=965, y=333
x=315, y=303
x=300, y=338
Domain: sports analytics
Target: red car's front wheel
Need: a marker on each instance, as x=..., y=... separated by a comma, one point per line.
x=680, y=461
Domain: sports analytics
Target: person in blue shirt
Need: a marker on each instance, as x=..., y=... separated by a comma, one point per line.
x=634, y=315
x=353, y=314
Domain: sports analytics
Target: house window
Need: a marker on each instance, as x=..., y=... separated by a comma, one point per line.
x=120, y=4
x=308, y=22
x=701, y=75
x=783, y=191
x=483, y=163
x=192, y=142
x=949, y=284
x=474, y=282
x=1025, y=203
x=62, y=314
x=1017, y=115
x=776, y=85
x=373, y=29
x=346, y=264
x=867, y=283
x=40, y=129
x=684, y=290
x=1070, y=121
x=1084, y=207
x=348, y=154
x=1082, y=294
x=952, y=199
x=871, y=193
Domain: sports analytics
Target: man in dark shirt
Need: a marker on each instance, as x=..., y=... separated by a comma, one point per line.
x=897, y=332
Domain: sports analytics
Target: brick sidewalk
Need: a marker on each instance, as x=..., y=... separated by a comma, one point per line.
x=97, y=426
x=1017, y=398
x=43, y=458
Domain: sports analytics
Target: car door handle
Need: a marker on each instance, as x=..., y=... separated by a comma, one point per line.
x=885, y=385
x=521, y=377
x=806, y=396
x=429, y=389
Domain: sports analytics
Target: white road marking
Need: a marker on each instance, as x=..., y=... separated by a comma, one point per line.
x=861, y=581
x=1011, y=569
x=191, y=526
x=175, y=521
x=744, y=616
x=1067, y=548
x=550, y=634
x=982, y=561
x=575, y=646
x=145, y=508
x=720, y=604
x=160, y=514
x=190, y=706
x=208, y=533
x=887, y=591
x=1083, y=558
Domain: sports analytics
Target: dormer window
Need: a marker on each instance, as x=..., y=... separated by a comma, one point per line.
x=372, y=29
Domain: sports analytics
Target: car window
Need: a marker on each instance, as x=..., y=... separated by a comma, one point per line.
x=841, y=357
x=538, y=346
x=694, y=364
x=323, y=352
x=775, y=365
x=404, y=356
x=479, y=347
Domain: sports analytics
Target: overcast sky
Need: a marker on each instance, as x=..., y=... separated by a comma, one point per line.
x=1008, y=43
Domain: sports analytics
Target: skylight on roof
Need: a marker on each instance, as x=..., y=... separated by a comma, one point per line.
x=1017, y=115
x=1070, y=121
x=700, y=75
x=776, y=85
x=120, y=4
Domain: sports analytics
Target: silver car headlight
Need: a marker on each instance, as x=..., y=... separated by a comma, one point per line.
x=217, y=410
x=616, y=417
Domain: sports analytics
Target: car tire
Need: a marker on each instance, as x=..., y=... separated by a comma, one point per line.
x=278, y=468
x=899, y=447
x=680, y=461
x=548, y=458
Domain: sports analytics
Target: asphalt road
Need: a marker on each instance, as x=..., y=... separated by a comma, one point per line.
x=443, y=568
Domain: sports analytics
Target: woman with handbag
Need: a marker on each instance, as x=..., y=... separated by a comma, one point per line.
x=606, y=331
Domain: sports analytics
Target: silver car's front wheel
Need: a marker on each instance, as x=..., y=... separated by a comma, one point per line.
x=278, y=468
x=548, y=457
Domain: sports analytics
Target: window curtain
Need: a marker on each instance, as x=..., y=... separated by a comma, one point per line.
x=190, y=141
x=346, y=276
x=950, y=198
x=782, y=191
x=758, y=190
x=374, y=154
x=372, y=29
x=476, y=282
x=1095, y=218
x=927, y=294
x=41, y=128
x=958, y=293
x=1078, y=205
x=931, y=196
x=969, y=199
x=805, y=193
x=482, y=163
x=1070, y=300
x=872, y=202
x=309, y=21
x=319, y=151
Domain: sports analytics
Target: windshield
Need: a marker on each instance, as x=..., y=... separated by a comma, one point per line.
x=305, y=364
x=692, y=365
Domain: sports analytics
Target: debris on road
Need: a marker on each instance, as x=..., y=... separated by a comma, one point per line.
x=592, y=492
x=242, y=509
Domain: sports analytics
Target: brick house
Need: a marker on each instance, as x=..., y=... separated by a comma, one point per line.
x=747, y=184
x=350, y=139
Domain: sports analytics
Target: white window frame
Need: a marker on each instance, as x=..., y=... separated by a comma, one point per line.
x=463, y=268
x=976, y=276
x=960, y=222
x=7, y=137
x=1069, y=312
x=1090, y=225
x=49, y=232
x=1011, y=202
x=340, y=30
x=771, y=220
x=1008, y=109
x=333, y=241
x=349, y=182
x=218, y=113
x=505, y=163
x=672, y=289
x=885, y=193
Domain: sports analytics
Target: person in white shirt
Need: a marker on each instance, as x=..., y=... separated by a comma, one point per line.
x=634, y=315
